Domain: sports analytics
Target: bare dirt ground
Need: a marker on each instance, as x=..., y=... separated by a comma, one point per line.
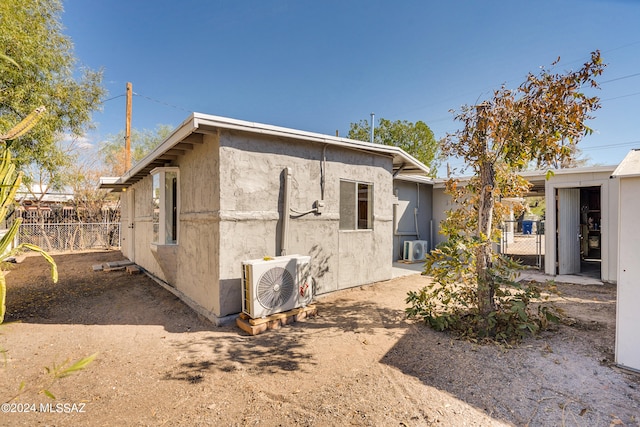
x=360, y=362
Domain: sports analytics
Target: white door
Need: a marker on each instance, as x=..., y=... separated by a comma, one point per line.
x=130, y=232
x=628, y=315
x=569, y=230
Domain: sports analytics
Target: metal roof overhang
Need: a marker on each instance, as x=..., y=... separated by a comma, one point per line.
x=191, y=132
x=629, y=167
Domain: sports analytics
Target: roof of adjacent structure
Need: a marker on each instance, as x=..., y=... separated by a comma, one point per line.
x=629, y=167
x=538, y=177
x=191, y=130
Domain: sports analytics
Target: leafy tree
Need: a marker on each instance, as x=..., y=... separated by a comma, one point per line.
x=112, y=151
x=9, y=183
x=540, y=121
x=415, y=138
x=38, y=69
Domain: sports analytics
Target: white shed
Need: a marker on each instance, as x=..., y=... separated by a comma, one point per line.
x=628, y=314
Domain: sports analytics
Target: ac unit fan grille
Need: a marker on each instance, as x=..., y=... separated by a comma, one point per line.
x=274, y=288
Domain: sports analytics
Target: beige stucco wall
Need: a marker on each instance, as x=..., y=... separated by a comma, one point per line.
x=198, y=269
x=251, y=200
x=231, y=197
x=196, y=264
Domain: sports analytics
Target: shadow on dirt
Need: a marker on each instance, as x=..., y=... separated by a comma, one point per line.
x=87, y=297
x=288, y=348
x=565, y=365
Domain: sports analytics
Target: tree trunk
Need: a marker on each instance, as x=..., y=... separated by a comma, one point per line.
x=486, y=303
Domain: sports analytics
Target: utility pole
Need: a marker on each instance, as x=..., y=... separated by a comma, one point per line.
x=127, y=130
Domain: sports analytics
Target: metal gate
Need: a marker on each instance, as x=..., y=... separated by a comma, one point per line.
x=524, y=241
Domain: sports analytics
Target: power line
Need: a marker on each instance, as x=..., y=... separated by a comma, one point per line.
x=602, y=147
x=162, y=102
x=149, y=99
x=111, y=99
x=621, y=96
x=620, y=78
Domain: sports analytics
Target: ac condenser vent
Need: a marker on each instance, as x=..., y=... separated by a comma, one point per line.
x=275, y=288
x=275, y=284
x=415, y=250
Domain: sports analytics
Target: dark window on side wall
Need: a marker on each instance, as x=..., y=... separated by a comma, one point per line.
x=356, y=205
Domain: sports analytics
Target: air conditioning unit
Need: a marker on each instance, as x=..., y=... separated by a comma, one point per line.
x=275, y=284
x=415, y=250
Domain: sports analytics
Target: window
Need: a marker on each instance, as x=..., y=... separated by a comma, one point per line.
x=356, y=205
x=165, y=205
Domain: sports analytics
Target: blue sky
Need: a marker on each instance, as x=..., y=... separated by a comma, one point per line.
x=320, y=65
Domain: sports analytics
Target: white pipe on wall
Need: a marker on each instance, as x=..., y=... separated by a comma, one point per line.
x=415, y=210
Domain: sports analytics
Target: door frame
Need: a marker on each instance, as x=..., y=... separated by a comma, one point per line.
x=131, y=231
x=608, y=218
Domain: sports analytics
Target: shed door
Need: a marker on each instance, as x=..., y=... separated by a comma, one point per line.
x=569, y=230
x=628, y=315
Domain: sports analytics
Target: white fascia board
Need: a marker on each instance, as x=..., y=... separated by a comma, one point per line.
x=197, y=120
x=109, y=180
x=181, y=132
x=264, y=129
x=541, y=173
x=416, y=178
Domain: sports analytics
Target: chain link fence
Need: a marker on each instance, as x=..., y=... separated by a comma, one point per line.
x=524, y=241
x=71, y=237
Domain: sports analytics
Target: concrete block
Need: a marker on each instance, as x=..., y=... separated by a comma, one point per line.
x=133, y=269
x=115, y=264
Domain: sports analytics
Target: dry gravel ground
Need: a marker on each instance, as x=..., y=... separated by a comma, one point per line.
x=360, y=362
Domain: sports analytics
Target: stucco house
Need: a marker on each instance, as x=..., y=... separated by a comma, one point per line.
x=219, y=191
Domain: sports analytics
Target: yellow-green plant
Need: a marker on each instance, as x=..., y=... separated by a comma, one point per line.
x=9, y=184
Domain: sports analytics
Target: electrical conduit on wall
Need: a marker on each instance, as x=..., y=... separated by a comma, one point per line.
x=285, y=212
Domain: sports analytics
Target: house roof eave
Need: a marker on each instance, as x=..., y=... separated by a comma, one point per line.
x=198, y=123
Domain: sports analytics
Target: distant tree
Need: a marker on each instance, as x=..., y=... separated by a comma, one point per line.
x=112, y=150
x=91, y=203
x=575, y=159
x=541, y=121
x=415, y=138
x=38, y=68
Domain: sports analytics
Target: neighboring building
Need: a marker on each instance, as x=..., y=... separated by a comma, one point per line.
x=36, y=204
x=219, y=191
x=413, y=213
x=580, y=224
